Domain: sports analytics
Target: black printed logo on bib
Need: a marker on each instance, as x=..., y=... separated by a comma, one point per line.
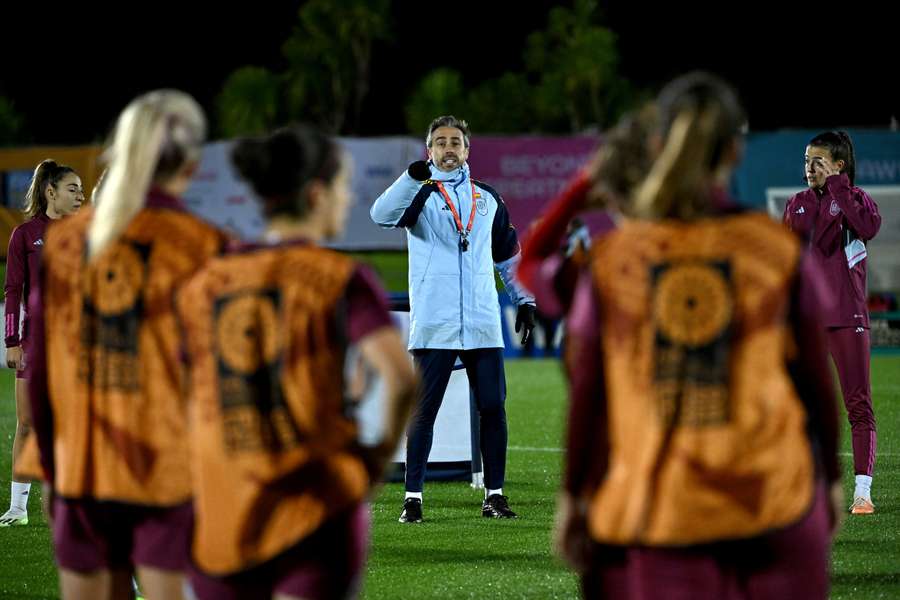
x=111, y=317
x=248, y=344
x=693, y=307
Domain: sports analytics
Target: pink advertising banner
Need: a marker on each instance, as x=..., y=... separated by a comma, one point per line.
x=528, y=171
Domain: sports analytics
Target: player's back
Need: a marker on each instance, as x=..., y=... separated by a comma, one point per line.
x=273, y=448
x=114, y=377
x=707, y=434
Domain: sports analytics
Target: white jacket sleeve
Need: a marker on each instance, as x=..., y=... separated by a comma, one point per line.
x=390, y=206
x=507, y=270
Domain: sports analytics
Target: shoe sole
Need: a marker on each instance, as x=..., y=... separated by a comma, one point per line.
x=16, y=523
x=862, y=508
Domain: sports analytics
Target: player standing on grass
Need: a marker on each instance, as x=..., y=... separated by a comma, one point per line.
x=55, y=192
x=109, y=416
x=280, y=476
x=702, y=435
x=837, y=219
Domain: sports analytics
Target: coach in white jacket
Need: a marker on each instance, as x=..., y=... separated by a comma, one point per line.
x=458, y=231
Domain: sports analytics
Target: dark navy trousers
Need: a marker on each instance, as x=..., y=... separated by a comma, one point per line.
x=484, y=366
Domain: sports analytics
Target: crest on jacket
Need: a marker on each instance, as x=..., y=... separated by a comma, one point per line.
x=834, y=209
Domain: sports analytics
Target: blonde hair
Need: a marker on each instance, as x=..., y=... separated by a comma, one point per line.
x=154, y=137
x=623, y=160
x=95, y=193
x=700, y=117
x=675, y=185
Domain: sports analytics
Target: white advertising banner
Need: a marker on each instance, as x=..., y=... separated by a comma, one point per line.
x=218, y=195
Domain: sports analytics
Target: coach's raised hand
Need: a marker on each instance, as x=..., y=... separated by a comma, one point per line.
x=419, y=170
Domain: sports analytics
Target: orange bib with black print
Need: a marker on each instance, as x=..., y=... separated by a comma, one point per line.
x=272, y=448
x=707, y=434
x=114, y=370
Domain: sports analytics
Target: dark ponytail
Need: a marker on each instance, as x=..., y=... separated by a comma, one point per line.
x=279, y=166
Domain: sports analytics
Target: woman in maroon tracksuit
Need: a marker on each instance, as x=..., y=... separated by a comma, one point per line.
x=55, y=192
x=837, y=219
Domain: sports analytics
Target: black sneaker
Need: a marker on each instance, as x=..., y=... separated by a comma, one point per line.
x=412, y=511
x=497, y=507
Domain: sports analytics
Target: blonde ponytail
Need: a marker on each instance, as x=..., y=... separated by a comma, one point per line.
x=701, y=120
x=677, y=183
x=153, y=133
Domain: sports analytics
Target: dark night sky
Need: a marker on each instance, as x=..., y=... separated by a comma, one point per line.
x=829, y=67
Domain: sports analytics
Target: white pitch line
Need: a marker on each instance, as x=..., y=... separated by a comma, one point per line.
x=545, y=449
x=877, y=454
x=533, y=449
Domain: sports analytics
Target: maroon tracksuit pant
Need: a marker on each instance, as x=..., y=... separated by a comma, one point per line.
x=849, y=347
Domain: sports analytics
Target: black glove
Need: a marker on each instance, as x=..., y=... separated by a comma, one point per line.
x=525, y=318
x=419, y=170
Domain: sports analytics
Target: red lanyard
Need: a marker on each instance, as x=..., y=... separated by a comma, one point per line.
x=459, y=228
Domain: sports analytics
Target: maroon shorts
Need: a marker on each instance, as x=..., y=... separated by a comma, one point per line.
x=790, y=563
x=327, y=564
x=90, y=535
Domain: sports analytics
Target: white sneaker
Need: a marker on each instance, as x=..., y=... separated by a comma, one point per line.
x=13, y=517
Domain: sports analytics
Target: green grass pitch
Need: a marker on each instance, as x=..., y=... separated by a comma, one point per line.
x=457, y=554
